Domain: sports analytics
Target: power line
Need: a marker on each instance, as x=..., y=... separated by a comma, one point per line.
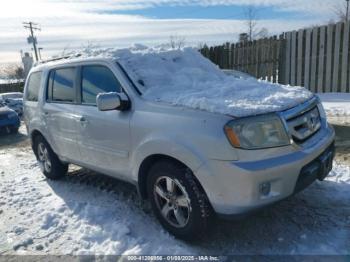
x=32, y=39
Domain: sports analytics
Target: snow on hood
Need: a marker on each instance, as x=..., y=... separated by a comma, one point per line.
x=186, y=78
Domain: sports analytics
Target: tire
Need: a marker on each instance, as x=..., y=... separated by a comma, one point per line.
x=48, y=161
x=186, y=212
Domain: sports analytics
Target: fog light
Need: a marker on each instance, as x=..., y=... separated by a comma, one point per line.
x=265, y=188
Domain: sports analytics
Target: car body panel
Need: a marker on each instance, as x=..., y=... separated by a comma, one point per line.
x=13, y=100
x=8, y=118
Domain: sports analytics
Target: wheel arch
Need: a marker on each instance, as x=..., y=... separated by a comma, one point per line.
x=146, y=165
x=34, y=134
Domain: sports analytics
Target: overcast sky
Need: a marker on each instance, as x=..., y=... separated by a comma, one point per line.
x=68, y=24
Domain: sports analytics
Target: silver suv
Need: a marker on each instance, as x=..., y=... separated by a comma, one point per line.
x=190, y=164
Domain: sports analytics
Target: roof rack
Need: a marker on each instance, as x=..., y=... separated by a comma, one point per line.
x=59, y=58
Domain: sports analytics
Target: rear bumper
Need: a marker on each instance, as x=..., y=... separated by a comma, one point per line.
x=9, y=123
x=235, y=187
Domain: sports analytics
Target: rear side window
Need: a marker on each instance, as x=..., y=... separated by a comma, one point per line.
x=33, y=86
x=95, y=80
x=61, y=85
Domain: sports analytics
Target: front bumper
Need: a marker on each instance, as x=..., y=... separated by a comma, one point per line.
x=234, y=187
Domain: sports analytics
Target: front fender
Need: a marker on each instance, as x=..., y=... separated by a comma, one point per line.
x=167, y=146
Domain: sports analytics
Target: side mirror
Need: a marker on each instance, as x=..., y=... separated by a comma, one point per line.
x=112, y=101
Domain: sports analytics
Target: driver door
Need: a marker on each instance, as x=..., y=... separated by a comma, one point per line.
x=103, y=137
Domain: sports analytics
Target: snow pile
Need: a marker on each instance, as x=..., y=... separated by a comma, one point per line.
x=340, y=174
x=4, y=81
x=186, y=78
x=336, y=104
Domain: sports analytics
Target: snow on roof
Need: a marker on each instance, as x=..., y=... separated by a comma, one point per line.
x=186, y=78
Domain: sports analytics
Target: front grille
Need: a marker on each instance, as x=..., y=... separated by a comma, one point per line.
x=304, y=125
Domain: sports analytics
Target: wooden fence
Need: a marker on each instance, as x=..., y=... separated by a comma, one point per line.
x=11, y=87
x=259, y=58
x=317, y=58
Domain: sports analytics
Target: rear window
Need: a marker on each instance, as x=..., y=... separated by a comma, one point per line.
x=61, y=85
x=33, y=86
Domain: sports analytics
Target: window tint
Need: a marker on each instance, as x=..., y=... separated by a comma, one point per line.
x=33, y=86
x=63, y=85
x=95, y=80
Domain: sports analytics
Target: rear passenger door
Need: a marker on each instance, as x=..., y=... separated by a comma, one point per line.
x=31, y=97
x=103, y=140
x=59, y=112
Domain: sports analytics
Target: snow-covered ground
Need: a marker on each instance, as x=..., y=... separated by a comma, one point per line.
x=87, y=213
x=336, y=104
x=8, y=81
x=4, y=81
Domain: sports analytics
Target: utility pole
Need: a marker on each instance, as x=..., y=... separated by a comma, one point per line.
x=32, y=39
x=347, y=10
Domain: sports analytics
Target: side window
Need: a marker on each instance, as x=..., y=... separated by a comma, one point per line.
x=33, y=87
x=95, y=80
x=62, y=82
x=49, y=85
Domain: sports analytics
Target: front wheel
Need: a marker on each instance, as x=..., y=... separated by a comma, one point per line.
x=48, y=161
x=178, y=202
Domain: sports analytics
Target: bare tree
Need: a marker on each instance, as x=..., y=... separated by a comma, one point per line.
x=13, y=72
x=201, y=45
x=253, y=30
x=90, y=45
x=341, y=11
x=65, y=50
x=177, y=42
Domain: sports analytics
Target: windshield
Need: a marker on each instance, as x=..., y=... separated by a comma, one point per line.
x=167, y=70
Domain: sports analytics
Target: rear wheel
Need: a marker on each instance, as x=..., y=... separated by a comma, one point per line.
x=48, y=161
x=178, y=202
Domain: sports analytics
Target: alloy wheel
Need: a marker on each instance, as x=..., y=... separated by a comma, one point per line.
x=44, y=158
x=172, y=201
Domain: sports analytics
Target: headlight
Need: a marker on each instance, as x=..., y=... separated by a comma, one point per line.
x=257, y=132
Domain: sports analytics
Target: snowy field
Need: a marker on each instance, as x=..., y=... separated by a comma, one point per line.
x=87, y=213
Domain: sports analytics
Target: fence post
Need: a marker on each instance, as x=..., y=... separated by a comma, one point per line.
x=314, y=57
x=345, y=59
x=321, y=60
x=335, y=82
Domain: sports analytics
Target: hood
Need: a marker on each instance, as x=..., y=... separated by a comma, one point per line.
x=186, y=78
